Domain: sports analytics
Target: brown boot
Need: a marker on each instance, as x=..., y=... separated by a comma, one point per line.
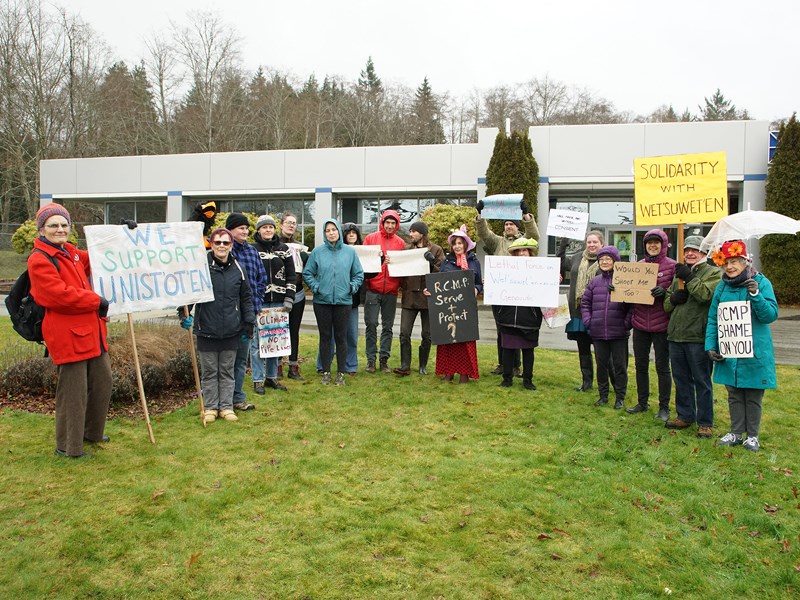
x=294, y=373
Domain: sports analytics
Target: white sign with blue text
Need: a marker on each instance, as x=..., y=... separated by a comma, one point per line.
x=155, y=266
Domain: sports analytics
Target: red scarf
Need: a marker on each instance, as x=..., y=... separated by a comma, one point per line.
x=461, y=261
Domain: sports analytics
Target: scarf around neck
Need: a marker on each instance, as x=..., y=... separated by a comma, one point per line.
x=586, y=270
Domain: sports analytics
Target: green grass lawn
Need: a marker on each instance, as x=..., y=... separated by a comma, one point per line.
x=12, y=264
x=406, y=488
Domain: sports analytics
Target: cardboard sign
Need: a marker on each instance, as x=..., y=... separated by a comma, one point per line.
x=633, y=281
x=686, y=188
x=273, y=333
x=155, y=266
x=521, y=281
x=370, y=257
x=404, y=263
x=452, y=307
x=567, y=223
x=502, y=206
x=735, y=329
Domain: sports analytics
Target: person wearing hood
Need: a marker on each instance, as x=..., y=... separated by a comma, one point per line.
x=498, y=245
x=334, y=274
x=415, y=303
x=608, y=323
x=280, y=292
x=650, y=324
x=381, y=298
x=688, y=311
x=519, y=326
x=745, y=379
x=461, y=357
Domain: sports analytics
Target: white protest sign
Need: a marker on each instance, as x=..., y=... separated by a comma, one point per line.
x=272, y=325
x=502, y=206
x=155, y=266
x=370, y=257
x=735, y=329
x=296, y=249
x=559, y=315
x=404, y=263
x=567, y=223
x=521, y=281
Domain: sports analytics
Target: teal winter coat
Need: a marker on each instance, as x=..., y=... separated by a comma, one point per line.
x=757, y=372
x=333, y=271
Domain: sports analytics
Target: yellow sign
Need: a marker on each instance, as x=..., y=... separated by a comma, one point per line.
x=687, y=188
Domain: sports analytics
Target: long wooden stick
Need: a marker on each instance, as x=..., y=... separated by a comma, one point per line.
x=139, y=380
x=196, y=371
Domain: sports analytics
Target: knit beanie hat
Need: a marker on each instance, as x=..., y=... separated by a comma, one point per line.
x=420, y=228
x=48, y=211
x=235, y=220
x=265, y=220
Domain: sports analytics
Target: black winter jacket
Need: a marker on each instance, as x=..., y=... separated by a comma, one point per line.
x=231, y=312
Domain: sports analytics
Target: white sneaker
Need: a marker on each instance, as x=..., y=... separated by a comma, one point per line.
x=752, y=444
x=729, y=439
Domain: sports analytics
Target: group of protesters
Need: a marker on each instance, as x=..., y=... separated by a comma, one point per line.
x=680, y=326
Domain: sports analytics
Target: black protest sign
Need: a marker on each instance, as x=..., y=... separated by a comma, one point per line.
x=452, y=307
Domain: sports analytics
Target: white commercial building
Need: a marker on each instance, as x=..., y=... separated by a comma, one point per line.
x=586, y=167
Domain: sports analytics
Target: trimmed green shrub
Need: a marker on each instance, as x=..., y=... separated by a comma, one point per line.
x=22, y=240
x=442, y=219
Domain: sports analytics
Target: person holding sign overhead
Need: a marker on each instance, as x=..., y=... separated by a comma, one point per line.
x=688, y=310
x=739, y=341
x=608, y=323
x=498, y=245
x=650, y=329
x=461, y=357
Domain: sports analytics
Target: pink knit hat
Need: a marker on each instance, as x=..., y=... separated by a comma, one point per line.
x=462, y=233
x=50, y=210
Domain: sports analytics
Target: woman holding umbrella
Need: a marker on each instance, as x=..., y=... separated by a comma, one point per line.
x=744, y=378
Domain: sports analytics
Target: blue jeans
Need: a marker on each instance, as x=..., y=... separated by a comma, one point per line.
x=239, y=369
x=351, y=364
x=256, y=362
x=694, y=394
x=386, y=306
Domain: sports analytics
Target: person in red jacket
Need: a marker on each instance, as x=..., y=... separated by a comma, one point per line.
x=74, y=330
x=382, y=292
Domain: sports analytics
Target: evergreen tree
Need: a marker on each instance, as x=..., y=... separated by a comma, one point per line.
x=425, y=125
x=780, y=254
x=368, y=79
x=513, y=169
x=719, y=108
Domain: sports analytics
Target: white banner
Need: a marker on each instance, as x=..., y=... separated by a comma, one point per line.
x=370, y=257
x=502, y=206
x=567, y=223
x=155, y=266
x=521, y=281
x=735, y=329
x=296, y=249
x=404, y=263
x=272, y=325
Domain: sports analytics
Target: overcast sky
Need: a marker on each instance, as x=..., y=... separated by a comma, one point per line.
x=637, y=54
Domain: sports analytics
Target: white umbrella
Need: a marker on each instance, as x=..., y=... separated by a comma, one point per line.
x=746, y=225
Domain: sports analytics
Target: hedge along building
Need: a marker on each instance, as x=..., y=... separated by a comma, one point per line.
x=584, y=167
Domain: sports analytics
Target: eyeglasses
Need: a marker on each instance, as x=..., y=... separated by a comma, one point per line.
x=221, y=243
x=294, y=223
x=57, y=226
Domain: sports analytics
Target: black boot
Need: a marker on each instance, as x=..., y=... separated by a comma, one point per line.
x=507, y=381
x=527, y=383
x=587, y=372
x=424, y=353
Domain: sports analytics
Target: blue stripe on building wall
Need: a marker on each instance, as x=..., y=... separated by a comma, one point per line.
x=45, y=196
x=756, y=177
x=321, y=190
x=174, y=193
x=482, y=180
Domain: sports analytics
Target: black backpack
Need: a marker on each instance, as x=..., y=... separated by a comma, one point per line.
x=26, y=315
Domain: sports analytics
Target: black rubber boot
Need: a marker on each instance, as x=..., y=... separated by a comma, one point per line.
x=424, y=353
x=587, y=373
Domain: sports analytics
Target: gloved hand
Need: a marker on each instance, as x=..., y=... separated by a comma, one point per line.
x=752, y=286
x=102, y=310
x=715, y=356
x=429, y=257
x=684, y=272
x=563, y=244
x=287, y=305
x=129, y=222
x=246, y=338
x=658, y=292
x=187, y=322
x=523, y=206
x=611, y=287
x=679, y=297
x=480, y=206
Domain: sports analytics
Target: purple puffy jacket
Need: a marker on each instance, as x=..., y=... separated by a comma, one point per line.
x=605, y=320
x=651, y=317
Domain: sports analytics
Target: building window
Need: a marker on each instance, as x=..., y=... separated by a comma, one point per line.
x=365, y=211
x=141, y=211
